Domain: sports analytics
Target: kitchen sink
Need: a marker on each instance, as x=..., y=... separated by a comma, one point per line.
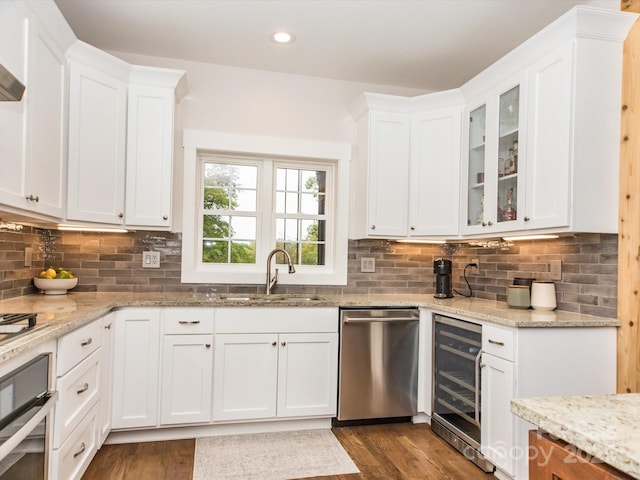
x=260, y=298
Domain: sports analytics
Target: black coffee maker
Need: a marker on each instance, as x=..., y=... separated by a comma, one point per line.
x=442, y=269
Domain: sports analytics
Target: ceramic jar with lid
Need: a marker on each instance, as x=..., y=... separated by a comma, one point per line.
x=543, y=295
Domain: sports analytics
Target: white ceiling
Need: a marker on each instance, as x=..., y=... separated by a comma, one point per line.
x=423, y=44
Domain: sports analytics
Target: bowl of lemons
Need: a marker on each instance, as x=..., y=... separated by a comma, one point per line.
x=55, y=281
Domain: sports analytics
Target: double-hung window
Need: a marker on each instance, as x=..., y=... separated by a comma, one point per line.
x=240, y=203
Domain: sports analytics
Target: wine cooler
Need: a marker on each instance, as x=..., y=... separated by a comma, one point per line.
x=457, y=349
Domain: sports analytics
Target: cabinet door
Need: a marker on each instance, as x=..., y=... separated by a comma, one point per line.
x=149, y=156
x=434, y=199
x=476, y=167
x=498, y=423
x=136, y=368
x=387, y=202
x=14, y=26
x=106, y=386
x=97, y=133
x=187, y=367
x=46, y=174
x=549, y=140
x=307, y=374
x=245, y=376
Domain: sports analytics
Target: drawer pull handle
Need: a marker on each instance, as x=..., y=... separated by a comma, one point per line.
x=83, y=389
x=83, y=447
x=107, y=327
x=496, y=342
x=188, y=322
x=88, y=341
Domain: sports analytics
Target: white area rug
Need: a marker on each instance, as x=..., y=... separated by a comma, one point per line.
x=271, y=456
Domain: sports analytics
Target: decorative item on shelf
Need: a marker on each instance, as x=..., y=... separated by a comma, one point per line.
x=543, y=296
x=509, y=213
x=480, y=177
x=518, y=296
x=501, y=166
x=480, y=216
x=511, y=164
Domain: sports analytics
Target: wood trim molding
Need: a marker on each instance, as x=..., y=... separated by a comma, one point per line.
x=628, y=356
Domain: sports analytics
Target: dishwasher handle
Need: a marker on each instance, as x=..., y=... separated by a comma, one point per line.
x=380, y=320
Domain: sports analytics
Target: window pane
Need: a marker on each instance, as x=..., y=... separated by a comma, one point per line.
x=280, y=202
x=246, y=201
x=313, y=254
x=309, y=204
x=281, y=178
x=243, y=228
x=243, y=252
x=215, y=252
x=309, y=181
x=215, y=198
x=245, y=176
x=215, y=226
x=291, y=203
x=230, y=187
x=292, y=180
x=292, y=248
x=291, y=230
x=313, y=230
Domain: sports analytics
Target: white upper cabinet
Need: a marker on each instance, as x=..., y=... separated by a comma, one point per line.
x=150, y=141
x=33, y=146
x=405, y=178
x=566, y=166
x=97, y=135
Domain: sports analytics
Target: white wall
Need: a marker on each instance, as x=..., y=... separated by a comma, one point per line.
x=242, y=100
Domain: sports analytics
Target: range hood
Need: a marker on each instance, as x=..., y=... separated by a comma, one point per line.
x=11, y=90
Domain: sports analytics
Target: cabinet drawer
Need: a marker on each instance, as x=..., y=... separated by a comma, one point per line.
x=73, y=458
x=276, y=320
x=77, y=345
x=498, y=341
x=78, y=392
x=183, y=321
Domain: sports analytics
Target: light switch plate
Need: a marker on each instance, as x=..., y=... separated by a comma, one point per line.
x=150, y=259
x=368, y=265
x=555, y=269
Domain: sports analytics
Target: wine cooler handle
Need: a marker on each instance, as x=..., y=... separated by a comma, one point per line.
x=477, y=390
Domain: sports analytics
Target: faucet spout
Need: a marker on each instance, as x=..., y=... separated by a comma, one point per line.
x=271, y=281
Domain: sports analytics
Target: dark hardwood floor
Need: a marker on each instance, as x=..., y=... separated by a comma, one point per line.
x=392, y=451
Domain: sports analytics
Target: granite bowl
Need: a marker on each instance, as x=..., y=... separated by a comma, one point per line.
x=55, y=286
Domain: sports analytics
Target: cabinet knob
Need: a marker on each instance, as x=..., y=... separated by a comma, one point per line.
x=373, y=227
x=121, y=215
x=208, y=345
x=107, y=327
x=284, y=344
x=86, y=342
x=165, y=217
x=489, y=223
x=484, y=224
x=273, y=344
x=413, y=227
x=526, y=219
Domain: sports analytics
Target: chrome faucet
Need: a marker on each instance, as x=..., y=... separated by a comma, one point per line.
x=272, y=281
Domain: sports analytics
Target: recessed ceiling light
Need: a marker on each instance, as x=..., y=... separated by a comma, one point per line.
x=282, y=37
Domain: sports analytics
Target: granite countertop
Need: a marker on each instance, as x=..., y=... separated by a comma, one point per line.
x=605, y=426
x=63, y=313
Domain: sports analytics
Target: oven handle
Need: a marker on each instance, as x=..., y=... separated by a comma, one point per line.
x=7, y=447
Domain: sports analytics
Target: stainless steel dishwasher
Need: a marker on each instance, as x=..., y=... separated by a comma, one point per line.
x=378, y=368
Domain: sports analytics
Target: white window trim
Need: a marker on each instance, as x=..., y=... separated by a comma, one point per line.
x=196, y=141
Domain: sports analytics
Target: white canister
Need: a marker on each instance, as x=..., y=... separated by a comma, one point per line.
x=543, y=296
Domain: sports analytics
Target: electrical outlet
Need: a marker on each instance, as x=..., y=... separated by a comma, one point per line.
x=477, y=262
x=367, y=265
x=555, y=269
x=150, y=259
x=28, y=256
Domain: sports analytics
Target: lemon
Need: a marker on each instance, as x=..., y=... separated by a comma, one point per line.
x=51, y=273
x=42, y=274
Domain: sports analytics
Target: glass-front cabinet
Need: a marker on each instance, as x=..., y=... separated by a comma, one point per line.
x=494, y=185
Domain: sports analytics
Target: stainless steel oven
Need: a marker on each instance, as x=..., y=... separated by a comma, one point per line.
x=25, y=402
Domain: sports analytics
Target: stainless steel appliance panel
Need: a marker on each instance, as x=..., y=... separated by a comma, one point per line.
x=378, y=364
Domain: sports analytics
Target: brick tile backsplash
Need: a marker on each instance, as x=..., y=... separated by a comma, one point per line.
x=112, y=263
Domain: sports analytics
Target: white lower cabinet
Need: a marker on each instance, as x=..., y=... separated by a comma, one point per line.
x=106, y=380
x=79, y=383
x=187, y=368
x=534, y=362
x=275, y=375
x=136, y=368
